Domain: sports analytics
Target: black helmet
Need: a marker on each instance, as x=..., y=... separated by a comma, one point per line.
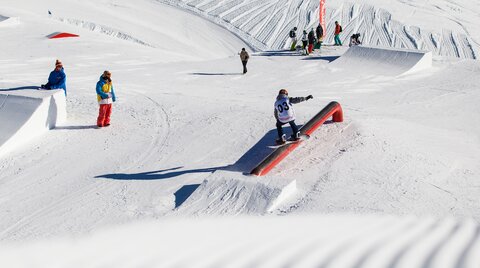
x=295, y=28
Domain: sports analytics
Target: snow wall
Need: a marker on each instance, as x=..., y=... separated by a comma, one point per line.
x=28, y=114
x=384, y=61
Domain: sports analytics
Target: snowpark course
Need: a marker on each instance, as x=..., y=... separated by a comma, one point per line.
x=187, y=123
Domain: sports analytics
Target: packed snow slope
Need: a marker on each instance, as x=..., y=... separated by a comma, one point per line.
x=445, y=27
x=410, y=143
x=301, y=242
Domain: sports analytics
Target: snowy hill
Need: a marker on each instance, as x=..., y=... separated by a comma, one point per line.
x=266, y=24
x=187, y=126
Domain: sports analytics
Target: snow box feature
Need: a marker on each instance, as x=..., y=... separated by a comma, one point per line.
x=28, y=114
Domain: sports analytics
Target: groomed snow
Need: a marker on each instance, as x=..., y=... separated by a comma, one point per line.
x=409, y=146
x=305, y=241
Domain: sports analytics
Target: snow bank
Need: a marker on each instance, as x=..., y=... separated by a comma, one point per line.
x=225, y=193
x=302, y=241
x=384, y=61
x=27, y=114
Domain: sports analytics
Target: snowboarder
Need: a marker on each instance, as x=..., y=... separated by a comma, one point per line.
x=244, y=57
x=293, y=36
x=57, y=78
x=319, y=32
x=338, y=30
x=354, y=40
x=284, y=114
x=311, y=41
x=305, y=42
x=105, y=96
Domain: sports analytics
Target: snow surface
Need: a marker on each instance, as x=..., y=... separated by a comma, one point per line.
x=409, y=146
x=351, y=241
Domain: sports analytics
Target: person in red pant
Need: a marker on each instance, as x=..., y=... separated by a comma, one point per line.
x=105, y=96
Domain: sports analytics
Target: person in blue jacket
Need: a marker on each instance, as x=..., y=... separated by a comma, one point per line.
x=105, y=97
x=57, y=78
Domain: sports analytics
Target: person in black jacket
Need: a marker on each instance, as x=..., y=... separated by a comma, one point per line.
x=311, y=41
x=293, y=36
x=319, y=32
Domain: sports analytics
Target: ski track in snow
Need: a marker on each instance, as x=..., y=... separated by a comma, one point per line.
x=266, y=25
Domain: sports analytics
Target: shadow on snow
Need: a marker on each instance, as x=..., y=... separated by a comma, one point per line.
x=327, y=58
x=243, y=165
x=216, y=73
x=19, y=88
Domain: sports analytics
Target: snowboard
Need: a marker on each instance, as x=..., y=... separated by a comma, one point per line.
x=303, y=137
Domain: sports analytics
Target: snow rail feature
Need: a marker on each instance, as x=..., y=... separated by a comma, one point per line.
x=332, y=109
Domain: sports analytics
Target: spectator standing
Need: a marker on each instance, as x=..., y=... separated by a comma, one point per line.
x=319, y=32
x=338, y=30
x=105, y=96
x=293, y=37
x=311, y=41
x=305, y=42
x=244, y=58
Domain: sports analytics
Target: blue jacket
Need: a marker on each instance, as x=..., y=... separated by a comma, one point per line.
x=101, y=94
x=57, y=79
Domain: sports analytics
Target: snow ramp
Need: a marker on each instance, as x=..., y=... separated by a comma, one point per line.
x=25, y=114
x=384, y=61
x=230, y=193
x=8, y=21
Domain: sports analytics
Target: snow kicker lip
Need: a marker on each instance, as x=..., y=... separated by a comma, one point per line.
x=384, y=61
x=38, y=112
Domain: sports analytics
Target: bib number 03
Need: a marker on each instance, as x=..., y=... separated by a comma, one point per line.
x=283, y=107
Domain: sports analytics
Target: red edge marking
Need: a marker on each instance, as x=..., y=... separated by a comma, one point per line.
x=279, y=158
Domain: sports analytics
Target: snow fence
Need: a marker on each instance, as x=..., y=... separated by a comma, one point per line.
x=384, y=61
x=25, y=114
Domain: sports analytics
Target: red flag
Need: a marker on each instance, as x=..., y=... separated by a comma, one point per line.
x=322, y=11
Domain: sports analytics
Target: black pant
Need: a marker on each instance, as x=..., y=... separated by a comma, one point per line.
x=244, y=66
x=292, y=125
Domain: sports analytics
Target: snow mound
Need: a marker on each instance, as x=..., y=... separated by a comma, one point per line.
x=222, y=193
x=28, y=114
x=384, y=61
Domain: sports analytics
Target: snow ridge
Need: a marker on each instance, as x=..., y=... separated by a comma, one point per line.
x=265, y=25
x=103, y=30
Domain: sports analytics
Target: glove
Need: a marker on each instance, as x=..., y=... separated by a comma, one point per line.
x=114, y=99
x=309, y=97
x=104, y=96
